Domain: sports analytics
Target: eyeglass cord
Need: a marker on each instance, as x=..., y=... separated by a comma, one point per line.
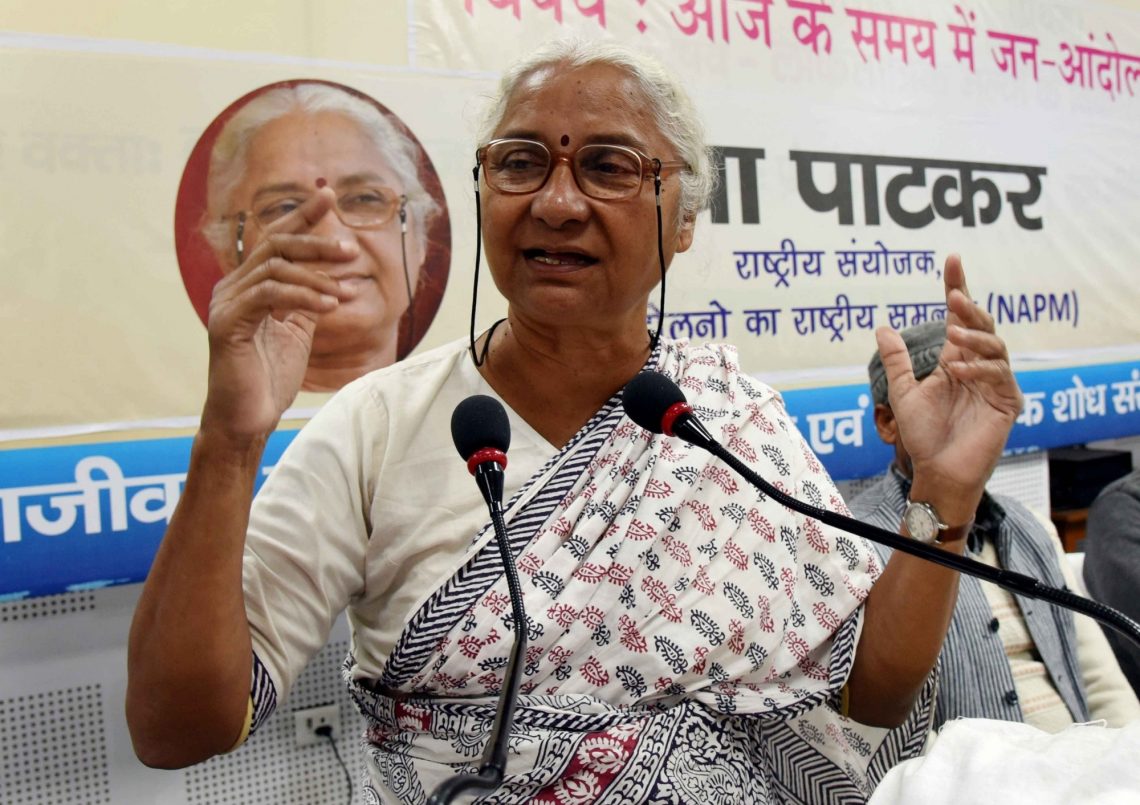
x=660, y=255
x=477, y=358
x=411, y=313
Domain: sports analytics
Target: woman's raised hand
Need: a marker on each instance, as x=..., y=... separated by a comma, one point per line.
x=261, y=323
x=956, y=421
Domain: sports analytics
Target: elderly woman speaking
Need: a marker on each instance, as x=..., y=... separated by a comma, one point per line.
x=690, y=639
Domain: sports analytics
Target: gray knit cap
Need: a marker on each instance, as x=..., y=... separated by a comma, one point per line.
x=923, y=342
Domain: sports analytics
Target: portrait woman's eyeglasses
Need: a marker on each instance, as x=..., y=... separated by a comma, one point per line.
x=366, y=207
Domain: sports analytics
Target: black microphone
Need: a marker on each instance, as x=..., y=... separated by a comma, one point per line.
x=657, y=404
x=482, y=434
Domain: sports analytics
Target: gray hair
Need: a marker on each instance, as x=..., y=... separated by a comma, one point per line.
x=231, y=149
x=673, y=111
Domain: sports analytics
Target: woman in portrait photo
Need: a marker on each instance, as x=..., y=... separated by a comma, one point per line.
x=276, y=151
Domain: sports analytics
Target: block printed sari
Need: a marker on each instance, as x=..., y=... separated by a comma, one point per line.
x=688, y=637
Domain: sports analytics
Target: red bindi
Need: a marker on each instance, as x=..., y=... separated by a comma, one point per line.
x=565, y=140
x=321, y=182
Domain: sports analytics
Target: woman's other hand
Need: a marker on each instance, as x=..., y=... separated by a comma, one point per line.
x=955, y=422
x=261, y=323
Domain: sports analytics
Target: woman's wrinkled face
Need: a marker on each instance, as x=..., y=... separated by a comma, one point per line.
x=559, y=256
x=286, y=158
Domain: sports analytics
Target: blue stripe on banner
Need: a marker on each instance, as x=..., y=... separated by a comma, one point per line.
x=85, y=516
x=1062, y=407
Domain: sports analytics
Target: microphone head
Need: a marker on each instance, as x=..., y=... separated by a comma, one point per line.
x=648, y=397
x=478, y=423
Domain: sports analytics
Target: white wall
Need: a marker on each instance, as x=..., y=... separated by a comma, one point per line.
x=63, y=733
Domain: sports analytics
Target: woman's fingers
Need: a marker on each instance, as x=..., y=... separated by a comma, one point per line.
x=959, y=304
x=993, y=381
x=990, y=372
x=276, y=295
x=277, y=276
x=306, y=248
x=981, y=342
x=981, y=358
x=968, y=313
x=276, y=285
x=307, y=214
x=896, y=362
x=953, y=275
x=296, y=248
x=289, y=265
x=290, y=238
x=965, y=318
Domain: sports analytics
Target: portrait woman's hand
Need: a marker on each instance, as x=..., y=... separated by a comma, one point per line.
x=261, y=323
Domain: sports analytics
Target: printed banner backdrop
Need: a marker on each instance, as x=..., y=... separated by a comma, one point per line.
x=860, y=144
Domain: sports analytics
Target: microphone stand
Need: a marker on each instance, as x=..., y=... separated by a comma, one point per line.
x=489, y=477
x=688, y=427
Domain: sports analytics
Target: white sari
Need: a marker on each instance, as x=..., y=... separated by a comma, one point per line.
x=688, y=637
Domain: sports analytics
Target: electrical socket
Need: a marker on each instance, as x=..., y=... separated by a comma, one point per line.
x=306, y=722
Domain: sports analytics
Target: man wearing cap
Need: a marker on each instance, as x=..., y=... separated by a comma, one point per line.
x=1005, y=657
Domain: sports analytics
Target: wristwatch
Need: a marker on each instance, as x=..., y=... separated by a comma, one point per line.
x=923, y=522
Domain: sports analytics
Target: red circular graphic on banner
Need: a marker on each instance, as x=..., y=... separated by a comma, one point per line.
x=201, y=267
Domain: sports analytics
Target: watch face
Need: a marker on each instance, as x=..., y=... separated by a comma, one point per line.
x=921, y=522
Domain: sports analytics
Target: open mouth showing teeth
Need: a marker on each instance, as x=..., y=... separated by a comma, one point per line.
x=559, y=258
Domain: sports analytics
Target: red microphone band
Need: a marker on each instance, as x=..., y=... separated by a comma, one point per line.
x=486, y=454
x=671, y=414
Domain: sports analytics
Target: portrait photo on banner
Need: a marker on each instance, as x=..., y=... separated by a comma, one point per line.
x=272, y=148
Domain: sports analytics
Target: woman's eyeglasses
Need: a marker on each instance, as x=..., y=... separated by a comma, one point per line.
x=604, y=172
